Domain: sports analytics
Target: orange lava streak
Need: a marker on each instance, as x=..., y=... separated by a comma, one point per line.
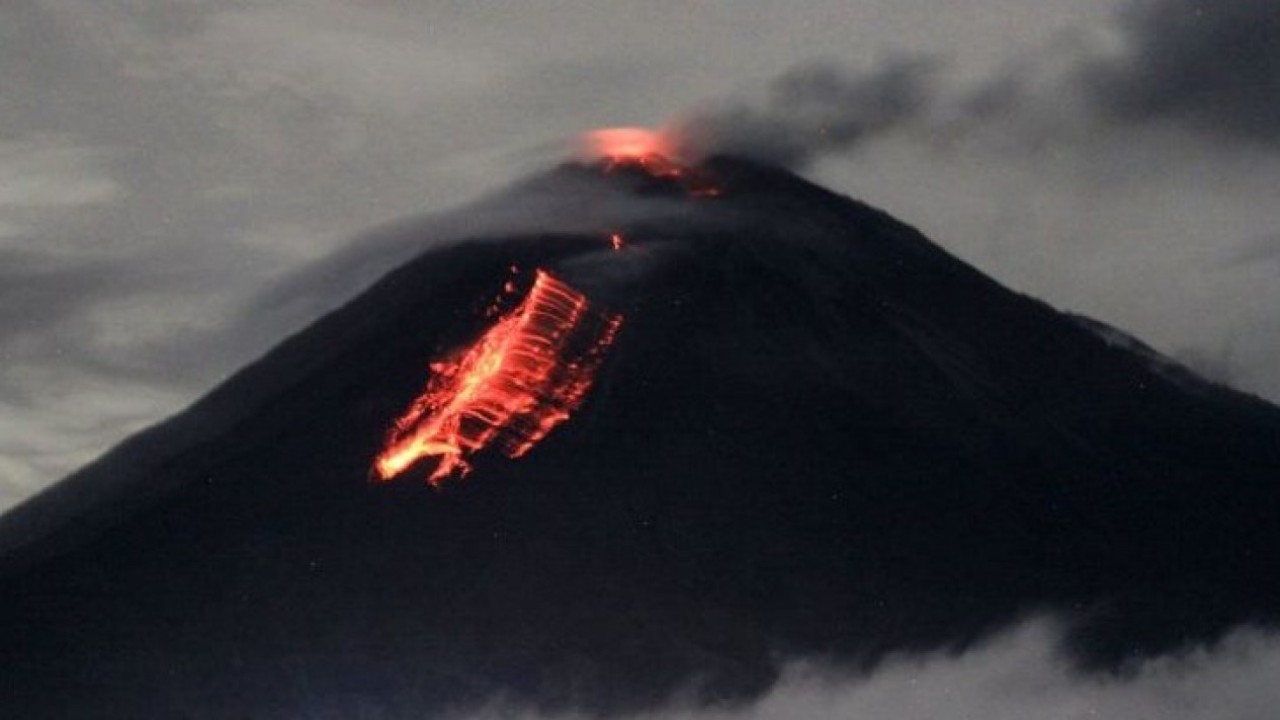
x=519, y=380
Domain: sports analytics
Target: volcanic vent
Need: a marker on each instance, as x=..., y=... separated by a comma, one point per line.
x=708, y=433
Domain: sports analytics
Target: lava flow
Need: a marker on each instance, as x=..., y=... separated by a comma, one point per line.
x=524, y=376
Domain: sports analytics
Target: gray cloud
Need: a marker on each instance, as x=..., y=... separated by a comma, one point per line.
x=1017, y=675
x=36, y=288
x=812, y=110
x=1265, y=250
x=1211, y=67
x=1214, y=65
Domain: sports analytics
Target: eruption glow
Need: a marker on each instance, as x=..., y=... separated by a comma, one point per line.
x=525, y=375
x=647, y=150
x=627, y=144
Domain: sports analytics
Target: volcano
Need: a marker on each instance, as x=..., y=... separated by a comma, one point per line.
x=808, y=432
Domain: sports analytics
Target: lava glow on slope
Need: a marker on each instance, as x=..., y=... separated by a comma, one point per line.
x=525, y=375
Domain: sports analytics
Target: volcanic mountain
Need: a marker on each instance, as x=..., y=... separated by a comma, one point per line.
x=791, y=427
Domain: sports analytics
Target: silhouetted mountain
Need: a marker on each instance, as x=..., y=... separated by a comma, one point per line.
x=816, y=435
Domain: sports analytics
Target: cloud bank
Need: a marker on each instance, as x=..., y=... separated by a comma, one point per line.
x=1014, y=676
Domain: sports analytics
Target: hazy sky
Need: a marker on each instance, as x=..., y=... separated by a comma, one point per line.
x=163, y=162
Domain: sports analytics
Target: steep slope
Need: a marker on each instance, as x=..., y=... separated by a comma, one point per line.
x=816, y=433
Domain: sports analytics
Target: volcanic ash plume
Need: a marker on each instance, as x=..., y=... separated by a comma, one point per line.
x=809, y=112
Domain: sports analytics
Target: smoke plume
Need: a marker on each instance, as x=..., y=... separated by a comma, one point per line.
x=1214, y=66
x=812, y=110
x=1211, y=68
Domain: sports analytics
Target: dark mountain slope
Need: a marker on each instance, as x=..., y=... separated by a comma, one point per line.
x=817, y=433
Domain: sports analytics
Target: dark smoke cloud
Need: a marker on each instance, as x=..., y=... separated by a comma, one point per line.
x=1213, y=65
x=813, y=110
x=37, y=286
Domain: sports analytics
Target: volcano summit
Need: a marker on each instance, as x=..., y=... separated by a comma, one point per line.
x=812, y=433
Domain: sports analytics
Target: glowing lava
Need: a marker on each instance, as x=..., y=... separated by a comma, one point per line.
x=627, y=144
x=649, y=151
x=524, y=376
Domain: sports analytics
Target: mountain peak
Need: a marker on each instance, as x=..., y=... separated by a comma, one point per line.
x=814, y=433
